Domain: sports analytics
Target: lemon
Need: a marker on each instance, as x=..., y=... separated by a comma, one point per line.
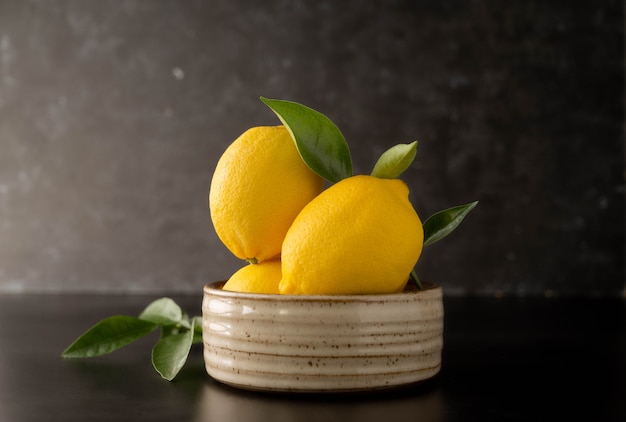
x=359, y=236
x=256, y=278
x=259, y=186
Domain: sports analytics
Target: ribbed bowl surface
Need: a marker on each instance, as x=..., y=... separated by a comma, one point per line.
x=322, y=343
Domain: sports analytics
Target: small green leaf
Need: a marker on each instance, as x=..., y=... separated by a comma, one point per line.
x=320, y=143
x=393, y=162
x=442, y=223
x=170, y=353
x=164, y=311
x=197, y=324
x=108, y=335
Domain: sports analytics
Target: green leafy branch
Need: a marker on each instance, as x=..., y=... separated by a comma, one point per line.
x=178, y=333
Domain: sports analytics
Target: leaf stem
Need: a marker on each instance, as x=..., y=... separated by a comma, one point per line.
x=417, y=280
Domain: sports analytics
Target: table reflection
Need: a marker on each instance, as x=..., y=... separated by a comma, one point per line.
x=218, y=402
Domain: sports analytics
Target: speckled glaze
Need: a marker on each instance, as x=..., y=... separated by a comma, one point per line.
x=322, y=343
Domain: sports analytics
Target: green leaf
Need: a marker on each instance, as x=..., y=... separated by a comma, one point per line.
x=170, y=353
x=197, y=324
x=393, y=162
x=164, y=311
x=108, y=335
x=320, y=143
x=442, y=223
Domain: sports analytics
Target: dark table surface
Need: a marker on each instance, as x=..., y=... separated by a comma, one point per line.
x=505, y=359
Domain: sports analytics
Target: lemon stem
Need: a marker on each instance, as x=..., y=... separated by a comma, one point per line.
x=252, y=260
x=417, y=280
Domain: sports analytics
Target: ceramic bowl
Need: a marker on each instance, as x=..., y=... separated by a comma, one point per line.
x=322, y=343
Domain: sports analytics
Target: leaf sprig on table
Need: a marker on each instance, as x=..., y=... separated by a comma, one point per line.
x=178, y=333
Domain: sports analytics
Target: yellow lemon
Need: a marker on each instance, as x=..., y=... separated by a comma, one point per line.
x=259, y=186
x=359, y=236
x=256, y=278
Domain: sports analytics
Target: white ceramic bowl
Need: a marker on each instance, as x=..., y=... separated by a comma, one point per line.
x=322, y=343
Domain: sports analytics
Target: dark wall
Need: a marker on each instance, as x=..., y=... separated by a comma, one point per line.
x=113, y=116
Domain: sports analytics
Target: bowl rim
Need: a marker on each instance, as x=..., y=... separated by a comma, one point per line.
x=215, y=289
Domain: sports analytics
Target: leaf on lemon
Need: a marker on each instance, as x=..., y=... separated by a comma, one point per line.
x=170, y=353
x=442, y=223
x=320, y=143
x=393, y=162
x=109, y=335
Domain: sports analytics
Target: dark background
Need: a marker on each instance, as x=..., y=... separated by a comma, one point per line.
x=113, y=116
